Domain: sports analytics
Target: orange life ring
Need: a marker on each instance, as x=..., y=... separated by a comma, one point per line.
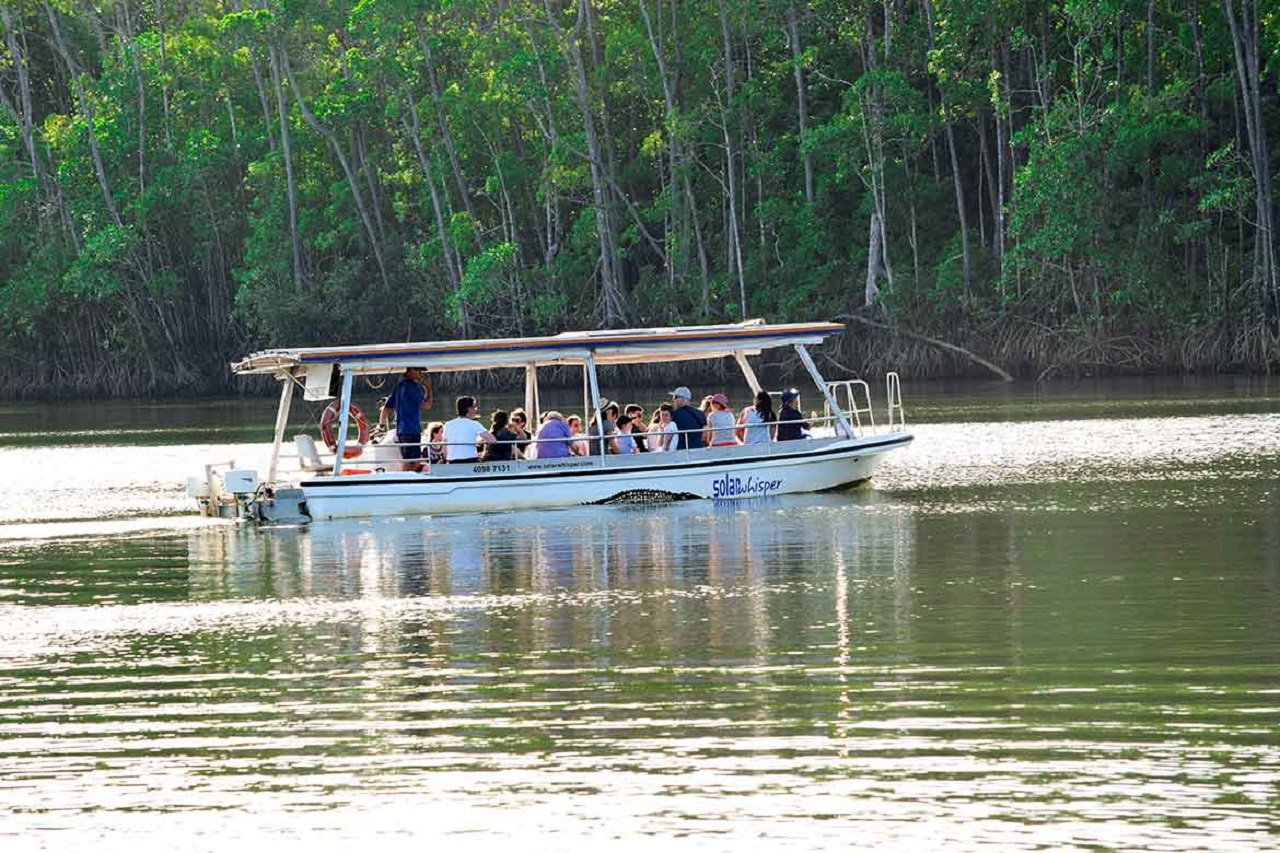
x=328, y=424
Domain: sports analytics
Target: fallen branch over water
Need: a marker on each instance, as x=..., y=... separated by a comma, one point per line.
x=972, y=356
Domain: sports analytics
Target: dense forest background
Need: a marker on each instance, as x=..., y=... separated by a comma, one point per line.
x=1057, y=185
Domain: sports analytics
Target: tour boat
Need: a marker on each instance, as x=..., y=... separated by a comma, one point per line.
x=364, y=479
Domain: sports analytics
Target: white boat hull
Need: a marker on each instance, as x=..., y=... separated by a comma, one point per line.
x=735, y=473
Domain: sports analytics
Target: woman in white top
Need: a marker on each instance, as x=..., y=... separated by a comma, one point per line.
x=720, y=423
x=756, y=422
x=662, y=434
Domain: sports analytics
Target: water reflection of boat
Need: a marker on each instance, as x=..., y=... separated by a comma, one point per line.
x=574, y=550
x=658, y=583
x=371, y=480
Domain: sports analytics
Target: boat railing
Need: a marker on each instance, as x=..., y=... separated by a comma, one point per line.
x=854, y=396
x=211, y=481
x=893, y=397
x=857, y=402
x=825, y=427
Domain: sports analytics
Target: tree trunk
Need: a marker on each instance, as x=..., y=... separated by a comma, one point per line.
x=913, y=227
x=607, y=145
x=413, y=129
x=793, y=35
x=87, y=114
x=1197, y=88
x=677, y=212
x=164, y=86
x=443, y=121
x=614, y=308
x=871, y=290
x=871, y=111
x=126, y=35
x=291, y=186
x=23, y=115
x=687, y=205
x=360, y=153
x=984, y=169
x=731, y=169
x=1003, y=107
x=1151, y=48
x=260, y=86
x=955, y=163
x=21, y=112
x=357, y=195
x=1245, y=41
x=550, y=204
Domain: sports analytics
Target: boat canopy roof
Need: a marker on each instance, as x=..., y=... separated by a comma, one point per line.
x=612, y=346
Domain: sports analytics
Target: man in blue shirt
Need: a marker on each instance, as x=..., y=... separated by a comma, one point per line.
x=687, y=417
x=411, y=397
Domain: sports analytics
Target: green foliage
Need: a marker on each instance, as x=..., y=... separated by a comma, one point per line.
x=154, y=219
x=486, y=274
x=1225, y=185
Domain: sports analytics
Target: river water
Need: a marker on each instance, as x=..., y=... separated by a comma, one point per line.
x=1052, y=622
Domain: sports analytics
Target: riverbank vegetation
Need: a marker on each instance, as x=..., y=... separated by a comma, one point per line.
x=1052, y=186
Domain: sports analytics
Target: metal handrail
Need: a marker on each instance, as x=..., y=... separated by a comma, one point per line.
x=583, y=437
x=893, y=395
x=853, y=408
x=768, y=447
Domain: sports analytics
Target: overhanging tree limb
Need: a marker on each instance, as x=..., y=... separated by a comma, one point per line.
x=972, y=356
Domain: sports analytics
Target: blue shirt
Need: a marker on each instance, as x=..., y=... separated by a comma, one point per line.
x=687, y=417
x=406, y=400
x=554, y=428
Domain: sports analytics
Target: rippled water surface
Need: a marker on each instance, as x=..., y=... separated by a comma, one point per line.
x=1052, y=623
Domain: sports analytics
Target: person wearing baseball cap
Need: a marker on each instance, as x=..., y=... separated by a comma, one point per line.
x=412, y=396
x=791, y=424
x=690, y=421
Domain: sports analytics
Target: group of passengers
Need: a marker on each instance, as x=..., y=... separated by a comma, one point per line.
x=614, y=429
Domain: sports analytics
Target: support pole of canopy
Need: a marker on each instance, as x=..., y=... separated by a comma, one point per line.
x=807, y=359
x=344, y=419
x=282, y=419
x=750, y=374
x=590, y=364
x=586, y=388
x=531, y=395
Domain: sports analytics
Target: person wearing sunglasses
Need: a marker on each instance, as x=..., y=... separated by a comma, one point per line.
x=635, y=411
x=519, y=425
